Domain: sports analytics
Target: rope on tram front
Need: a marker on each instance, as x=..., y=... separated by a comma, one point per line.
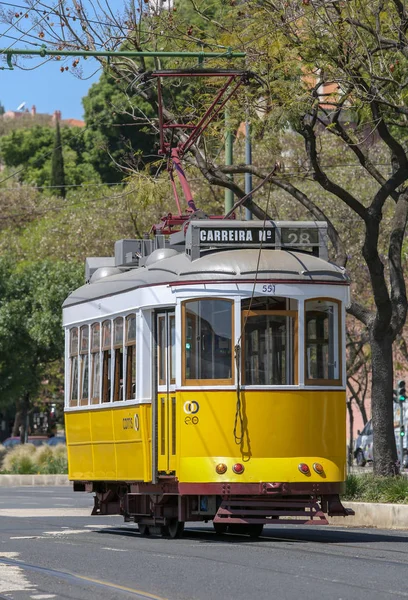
x=239, y=421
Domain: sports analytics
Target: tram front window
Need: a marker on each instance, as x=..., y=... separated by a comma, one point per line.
x=268, y=349
x=322, y=341
x=208, y=340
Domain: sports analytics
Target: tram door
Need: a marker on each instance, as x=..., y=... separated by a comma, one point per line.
x=166, y=405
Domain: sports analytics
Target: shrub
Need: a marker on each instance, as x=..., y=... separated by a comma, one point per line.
x=3, y=452
x=28, y=460
x=55, y=462
x=20, y=460
x=371, y=488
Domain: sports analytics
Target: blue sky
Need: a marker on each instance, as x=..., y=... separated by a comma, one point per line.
x=46, y=88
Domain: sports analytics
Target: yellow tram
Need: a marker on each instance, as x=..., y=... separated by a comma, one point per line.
x=205, y=378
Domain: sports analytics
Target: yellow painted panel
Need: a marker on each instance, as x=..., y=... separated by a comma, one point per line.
x=202, y=470
x=109, y=444
x=278, y=428
x=104, y=460
x=77, y=427
x=101, y=425
x=80, y=462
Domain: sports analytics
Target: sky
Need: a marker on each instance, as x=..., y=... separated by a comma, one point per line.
x=41, y=83
x=46, y=88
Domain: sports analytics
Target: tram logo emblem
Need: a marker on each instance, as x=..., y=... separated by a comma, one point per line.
x=191, y=407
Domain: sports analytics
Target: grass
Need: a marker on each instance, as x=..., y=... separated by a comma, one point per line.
x=29, y=460
x=372, y=488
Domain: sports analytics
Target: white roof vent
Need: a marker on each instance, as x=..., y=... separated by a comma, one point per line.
x=160, y=254
x=104, y=272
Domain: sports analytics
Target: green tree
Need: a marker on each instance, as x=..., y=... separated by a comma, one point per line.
x=29, y=152
x=57, y=166
x=117, y=138
x=2, y=110
x=31, y=337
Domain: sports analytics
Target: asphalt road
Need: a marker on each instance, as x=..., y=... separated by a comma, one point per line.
x=50, y=547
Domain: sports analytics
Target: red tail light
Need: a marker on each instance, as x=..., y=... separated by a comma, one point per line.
x=238, y=468
x=304, y=468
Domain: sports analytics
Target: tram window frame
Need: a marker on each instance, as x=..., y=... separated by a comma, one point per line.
x=337, y=344
x=74, y=365
x=95, y=362
x=83, y=365
x=294, y=359
x=118, y=357
x=130, y=358
x=161, y=350
x=106, y=362
x=206, y=381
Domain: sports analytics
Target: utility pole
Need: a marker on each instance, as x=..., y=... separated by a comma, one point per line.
x=229, y=160
x=402, y=395
x=248, y=161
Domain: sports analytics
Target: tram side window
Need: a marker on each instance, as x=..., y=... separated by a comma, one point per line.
x=208, y=340
x=106, y=361
x=118, y=359
x=269, y=339
x=95, y=362
x=73, y=352
x=130, y=357
x=84, y=357
x=322, y=322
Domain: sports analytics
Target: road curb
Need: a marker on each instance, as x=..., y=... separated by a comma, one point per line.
x=381, y=516
x=22, y=480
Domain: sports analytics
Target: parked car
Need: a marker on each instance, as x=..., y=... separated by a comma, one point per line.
x=36, y=440
x=56, y=440
x=363, y=450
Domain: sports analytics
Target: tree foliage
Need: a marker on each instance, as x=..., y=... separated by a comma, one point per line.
x=31, y=336
x=57, y=166
x=117, y=135
x=29, y=153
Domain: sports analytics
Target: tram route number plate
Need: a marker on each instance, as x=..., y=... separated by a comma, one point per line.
x=300, y=236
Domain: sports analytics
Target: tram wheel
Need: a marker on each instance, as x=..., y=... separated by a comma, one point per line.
x=220, y=528
x=255, y=530
x=144, y=529
x=174, y=529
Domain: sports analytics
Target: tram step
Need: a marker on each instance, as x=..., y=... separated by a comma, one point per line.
x=250, y=511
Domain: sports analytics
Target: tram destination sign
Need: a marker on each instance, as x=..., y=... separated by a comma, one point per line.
x=247, y=236
x=308, y=236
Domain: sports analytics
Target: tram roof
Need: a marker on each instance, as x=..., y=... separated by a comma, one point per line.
x=223, y=266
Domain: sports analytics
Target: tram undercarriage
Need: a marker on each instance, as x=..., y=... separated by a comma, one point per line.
x=162, y=509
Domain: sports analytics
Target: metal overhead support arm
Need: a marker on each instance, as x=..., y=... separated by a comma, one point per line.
x=174, y=153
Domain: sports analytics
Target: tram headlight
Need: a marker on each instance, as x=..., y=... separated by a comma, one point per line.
x=221, y=468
